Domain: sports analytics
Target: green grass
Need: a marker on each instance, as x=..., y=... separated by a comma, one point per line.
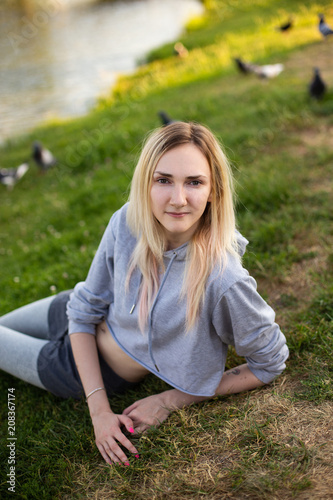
x=271, y=443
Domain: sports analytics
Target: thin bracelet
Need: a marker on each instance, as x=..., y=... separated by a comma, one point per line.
x=95, y=390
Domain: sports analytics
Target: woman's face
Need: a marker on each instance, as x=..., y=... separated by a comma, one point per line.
x=180, y=191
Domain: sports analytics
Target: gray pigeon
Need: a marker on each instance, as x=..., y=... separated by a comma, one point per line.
x=324, y=28
x=43, y=157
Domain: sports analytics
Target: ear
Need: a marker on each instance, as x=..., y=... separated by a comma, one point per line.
x=209, y=197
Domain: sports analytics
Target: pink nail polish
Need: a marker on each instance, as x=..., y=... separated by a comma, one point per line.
x=131, y=430
x=126, y=463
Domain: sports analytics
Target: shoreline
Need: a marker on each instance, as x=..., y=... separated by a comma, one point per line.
x=76, y=93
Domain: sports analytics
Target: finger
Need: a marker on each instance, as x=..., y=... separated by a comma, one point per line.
x=126, y=443
x=130, y=408
x=113, y=459
x=109, y=458
x=114, y=451
x=141, y=428
x=127, y=422
x=134, y=422
x=139, y=417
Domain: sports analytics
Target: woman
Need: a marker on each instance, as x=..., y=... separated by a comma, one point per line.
x=166, y=294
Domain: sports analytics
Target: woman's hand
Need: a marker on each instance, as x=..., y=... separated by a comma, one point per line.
x=107, y=427
x=147, y=412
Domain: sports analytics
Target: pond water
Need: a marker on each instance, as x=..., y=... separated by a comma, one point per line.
x=57, y=56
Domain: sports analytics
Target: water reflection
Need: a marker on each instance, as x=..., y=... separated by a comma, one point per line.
x=57, y=56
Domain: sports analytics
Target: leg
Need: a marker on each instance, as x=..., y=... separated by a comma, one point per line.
x=19, y=354
x=31, y=319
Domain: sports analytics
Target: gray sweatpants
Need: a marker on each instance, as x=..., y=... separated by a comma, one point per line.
x=23, y=333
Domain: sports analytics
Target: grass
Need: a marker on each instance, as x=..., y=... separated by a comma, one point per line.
x=272, y=443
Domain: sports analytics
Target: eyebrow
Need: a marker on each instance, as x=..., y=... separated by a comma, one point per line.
x=189, y=177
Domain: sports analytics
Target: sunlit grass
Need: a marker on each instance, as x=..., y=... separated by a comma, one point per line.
x=256, y=41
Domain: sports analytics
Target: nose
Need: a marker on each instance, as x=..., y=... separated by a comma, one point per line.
x=178, y=197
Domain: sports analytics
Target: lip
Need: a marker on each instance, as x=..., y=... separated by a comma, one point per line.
x=177, y=215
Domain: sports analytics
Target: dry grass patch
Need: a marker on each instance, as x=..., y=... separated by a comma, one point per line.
x=286, y=447
x=318, y=54
x=294, y=292
x=263, y=445
x=311, y=141
x=319, y=137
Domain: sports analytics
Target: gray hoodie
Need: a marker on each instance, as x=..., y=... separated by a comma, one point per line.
x=193, y=362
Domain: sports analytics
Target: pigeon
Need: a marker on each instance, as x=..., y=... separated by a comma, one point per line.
x=317, y=86
x=165, y=118
x=244, y=67
x=268, y=70
x=43, y=157
x=324, y=28
x=285, y=26
x=10, y=176
x=180, y=49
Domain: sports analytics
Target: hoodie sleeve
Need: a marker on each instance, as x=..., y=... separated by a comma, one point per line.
x=242, y=243
x=243, y=319
x=90, y=300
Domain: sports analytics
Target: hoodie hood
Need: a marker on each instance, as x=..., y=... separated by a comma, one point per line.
x=241, y=243
x=182, y=250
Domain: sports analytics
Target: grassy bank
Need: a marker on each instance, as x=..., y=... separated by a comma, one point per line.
x=275, y=442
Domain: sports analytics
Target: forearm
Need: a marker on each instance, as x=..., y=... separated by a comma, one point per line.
x=86, y=359
x=236, y=380
x=233, y=381
x=107, y=425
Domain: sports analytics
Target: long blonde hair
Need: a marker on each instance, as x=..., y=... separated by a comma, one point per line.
x=215, y=236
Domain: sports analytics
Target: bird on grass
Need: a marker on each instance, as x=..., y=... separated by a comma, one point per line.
x=266, y=71
x=285, y=26
x=324, y=28
x=165, y=118
x=244, y=67
x=317, y=86
x=10, y=176
x=43, y=157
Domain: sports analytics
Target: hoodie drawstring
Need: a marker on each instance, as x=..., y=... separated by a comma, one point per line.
x=152, y=308
x=137, y=297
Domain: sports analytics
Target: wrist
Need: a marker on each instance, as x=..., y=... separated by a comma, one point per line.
x=98, y=403
x=175, y=399
x=93, y=392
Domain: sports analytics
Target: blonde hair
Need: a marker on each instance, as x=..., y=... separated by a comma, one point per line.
x=215, y=236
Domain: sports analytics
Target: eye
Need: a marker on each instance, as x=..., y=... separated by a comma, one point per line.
x=162, y=181
x=195, y=183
